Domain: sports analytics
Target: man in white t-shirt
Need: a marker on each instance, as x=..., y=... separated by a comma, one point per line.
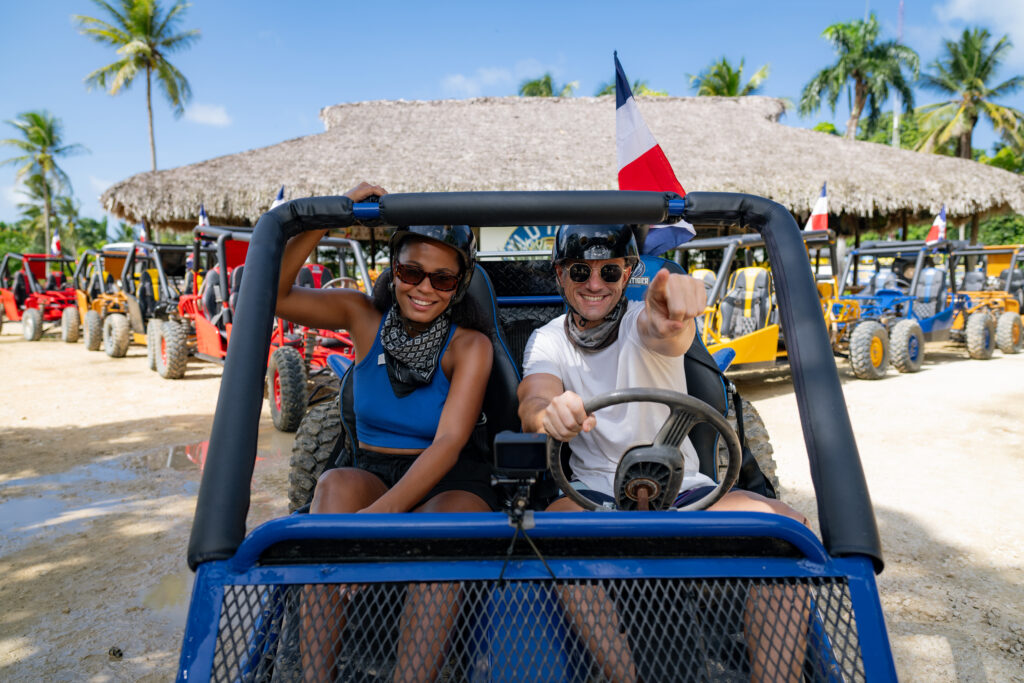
x=606, y=342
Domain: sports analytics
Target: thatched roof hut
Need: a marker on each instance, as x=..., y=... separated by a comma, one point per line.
x=513, y=143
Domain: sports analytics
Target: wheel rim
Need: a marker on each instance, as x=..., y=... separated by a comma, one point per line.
x=163, y=350
x=877, y=352
x=988, y=339
x=1015, y=334
x=913, y=347
x=277, y=390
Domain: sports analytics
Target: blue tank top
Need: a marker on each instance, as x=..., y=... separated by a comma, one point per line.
x=386, y=421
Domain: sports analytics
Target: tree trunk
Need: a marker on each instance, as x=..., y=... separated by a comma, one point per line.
x=149, y=111
x=46, y=222
x=974, y=229
x=860, y=98
x=965, y=139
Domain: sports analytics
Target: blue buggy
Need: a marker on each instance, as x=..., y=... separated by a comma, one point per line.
x=680, y=595
x=905, y=296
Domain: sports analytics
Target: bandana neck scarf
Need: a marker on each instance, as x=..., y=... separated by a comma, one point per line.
x=412, y=361
x=600, y=336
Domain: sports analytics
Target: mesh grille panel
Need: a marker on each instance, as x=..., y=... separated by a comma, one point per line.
x=521, y=277
x=651, y=629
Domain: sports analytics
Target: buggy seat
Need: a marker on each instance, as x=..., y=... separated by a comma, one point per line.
x=21, y=288
x=930, y=291
x=747, y=304
x=974, y=281
x=54, y=281
x=883, y=279
x=708, y=277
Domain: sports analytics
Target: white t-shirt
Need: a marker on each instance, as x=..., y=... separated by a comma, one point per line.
x=626, y=363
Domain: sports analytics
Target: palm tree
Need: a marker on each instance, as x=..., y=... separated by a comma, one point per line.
x=873, y=67
x=965, y=72
x=722, y=80
x=67, y=226
x=638, y=88
x=42, y=143
x=143, y=35
x=545, y=87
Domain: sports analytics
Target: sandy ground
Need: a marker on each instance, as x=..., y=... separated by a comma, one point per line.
x=99, y=467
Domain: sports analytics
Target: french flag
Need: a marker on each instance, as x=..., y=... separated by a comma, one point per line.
x=819, y=214
x=55, y=244
x=279, y=200
x=938, y=231
x=643, y=166
x=204, y=220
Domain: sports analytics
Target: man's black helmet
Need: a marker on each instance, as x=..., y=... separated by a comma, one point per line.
x=458, y=237
x=596, y=243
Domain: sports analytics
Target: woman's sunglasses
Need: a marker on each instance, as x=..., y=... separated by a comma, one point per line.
x=413, y=275
x=580, y=272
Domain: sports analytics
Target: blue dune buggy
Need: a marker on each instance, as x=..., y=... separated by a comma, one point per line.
x=626, y=595
x=905, y=299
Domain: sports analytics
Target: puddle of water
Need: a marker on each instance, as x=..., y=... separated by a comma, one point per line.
x=54, y=505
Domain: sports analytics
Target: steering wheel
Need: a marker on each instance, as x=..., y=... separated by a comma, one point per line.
x=343, y=282
x=649, y=476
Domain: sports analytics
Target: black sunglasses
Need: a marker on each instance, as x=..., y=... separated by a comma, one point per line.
x=413, y=275
x=580, y=272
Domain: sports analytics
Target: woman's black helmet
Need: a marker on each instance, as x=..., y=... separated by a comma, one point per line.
x=458, y=237
x=596, y=243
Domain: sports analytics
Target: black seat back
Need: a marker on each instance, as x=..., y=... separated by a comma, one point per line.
x=235, y=285
x=20, y=289
x=305, y=278
x=974, y=281
x=147, y=301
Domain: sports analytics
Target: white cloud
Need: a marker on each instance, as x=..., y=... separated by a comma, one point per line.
x=1000, y=17
x=496, y=80
x=460, y=85
x=208, y=115
x=10, y=197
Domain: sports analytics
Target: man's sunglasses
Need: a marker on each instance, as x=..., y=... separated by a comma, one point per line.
x=580, y=272
x=413, y=275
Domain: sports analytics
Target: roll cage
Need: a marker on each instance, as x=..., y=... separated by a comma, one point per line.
x=236, y=573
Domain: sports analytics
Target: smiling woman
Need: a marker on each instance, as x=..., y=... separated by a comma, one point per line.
x=413, y=450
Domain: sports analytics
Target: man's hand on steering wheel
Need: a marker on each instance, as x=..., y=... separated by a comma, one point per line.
x=565, y=417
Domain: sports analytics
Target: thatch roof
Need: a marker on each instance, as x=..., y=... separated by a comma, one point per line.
x=513, y=143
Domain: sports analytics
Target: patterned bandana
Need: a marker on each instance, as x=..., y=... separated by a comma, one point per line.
x=600, y=336
x=412, y=361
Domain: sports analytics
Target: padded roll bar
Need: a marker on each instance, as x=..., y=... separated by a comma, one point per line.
x=844, y=506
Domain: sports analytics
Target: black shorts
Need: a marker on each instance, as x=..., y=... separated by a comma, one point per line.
x=468, y=474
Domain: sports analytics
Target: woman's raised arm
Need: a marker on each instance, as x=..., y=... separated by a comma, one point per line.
x=330, y=308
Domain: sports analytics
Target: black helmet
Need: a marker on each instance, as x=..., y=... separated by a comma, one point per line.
x=458, y=237
x=595, y=242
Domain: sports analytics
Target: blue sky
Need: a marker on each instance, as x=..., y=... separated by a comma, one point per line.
x=262, y=70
